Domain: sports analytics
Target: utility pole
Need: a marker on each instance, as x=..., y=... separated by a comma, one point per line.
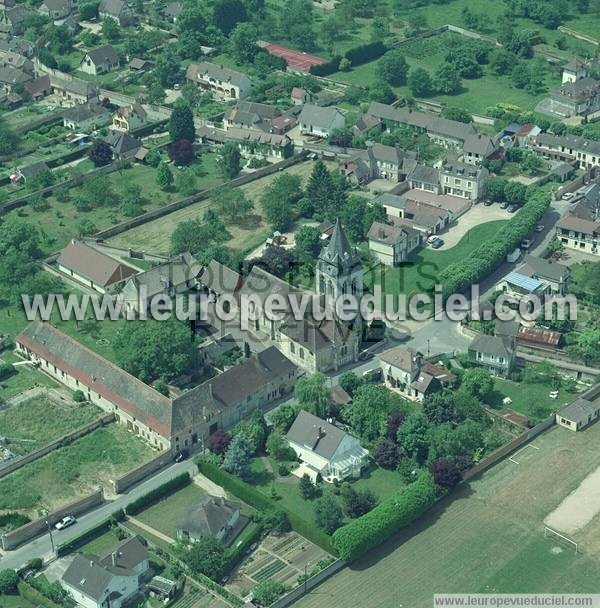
x=51, y=537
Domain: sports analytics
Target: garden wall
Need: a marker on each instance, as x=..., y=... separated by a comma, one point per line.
x=57, y=443
x=123, y=483
x=17, y=537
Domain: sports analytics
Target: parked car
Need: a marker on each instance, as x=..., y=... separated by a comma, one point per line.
x=503, y=205
x=65, y=522
x=365, y=356
x=526, y=243
x=512, y=208
x=568, y=195
x=181, y=455
x=540, y=228
x=432, y=239
x=487, y=203
x=437, y=243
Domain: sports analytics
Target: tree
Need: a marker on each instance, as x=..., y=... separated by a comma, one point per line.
x=320, y=188
x=8, y=138
x=386, y=454
x=227, y=14
x=439, y=407
x=357, y=216
x=395, y=419
x=515, y=193
x=267, y=592
x=296, y=19
x=88, y=10
x=255, y=429
x=392, y=68
x=233, y=204
x=382, y=92
x=243, y=43
x=168, y=64
x=181, y=152
x=419, y=82
x=477, y=382
x=307, y=244
x=229, y=161
x=494, y=188
x=279, y=448
x=278, y=200
x=185, y=182
x=350, y=382
x=445, y=474
x=206, y=556
x=312, y=394
x=132, y=200
x=181, y=123
x=307, y=488
x=283, y=418
x=502, y=62
x=154, y=349
x=238, y=456
x=276, y=521
x=413, y=436
x=100, y=153
x=110, y=30
x=164, y=176
x=8, y=581
x=357, y=502
x=458, y=114
x=447, y=79
x=218, y=442
x=328, y=513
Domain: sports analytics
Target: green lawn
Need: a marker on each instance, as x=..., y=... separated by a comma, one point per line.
x=381, y=482
x=42, y=420
x=420, y=273
x=26, y=377
x=73, y=470
x=530, y=400
x=100, y=545
x=166, y=514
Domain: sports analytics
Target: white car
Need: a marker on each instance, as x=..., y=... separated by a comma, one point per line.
x=540, y=228
x=567, y=195
x=65, y=522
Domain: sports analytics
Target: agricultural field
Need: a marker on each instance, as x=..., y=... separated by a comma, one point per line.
x=488, y=537
x=194, y=597
x=243, y=237
x=74, y=470
x=33, y=423
x=167, y=513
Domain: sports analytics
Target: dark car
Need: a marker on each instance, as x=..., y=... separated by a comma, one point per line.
x=512, y=208
x=437, y=243
x=181, y=455
x=365, y=356
x=487, y=203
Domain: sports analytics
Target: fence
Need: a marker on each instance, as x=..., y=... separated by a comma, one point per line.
x=21, y=535
x=194, y=198
x=578, y=35
x=123, y=483
x=57, y=443
x=507, y=449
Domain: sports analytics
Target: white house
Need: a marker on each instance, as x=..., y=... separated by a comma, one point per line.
x=319, y=121
x=220, y=80
x=99, y=61
x=392, y=242
x=129, y=118
x=325, y=449
x=581, y=412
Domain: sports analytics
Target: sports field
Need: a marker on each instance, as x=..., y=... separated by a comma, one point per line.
x=489, y=538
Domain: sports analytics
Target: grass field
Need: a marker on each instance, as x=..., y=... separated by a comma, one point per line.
x=166, y=514
x=488, y=538
x=25, y=378
x=420, y=273
x=41, y=420
x=73, y=470
x=100, y=545
x=156, y=235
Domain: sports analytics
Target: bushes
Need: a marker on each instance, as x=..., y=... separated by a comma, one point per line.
x=12, y=521
x=137, y=506
x=235, y=553
x=357, y=537
x=258, y=500
x=325, y=69
x=365, y=52
x=483, y=260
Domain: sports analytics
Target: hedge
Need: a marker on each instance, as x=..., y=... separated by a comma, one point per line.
x=137, y=506
x=258, y=500
x=83, y=538
x=486, y=258
x=362, y=534
x=235, y=553
x=365, y=52
x=325, y=69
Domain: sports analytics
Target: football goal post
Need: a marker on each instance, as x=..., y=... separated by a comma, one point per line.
x=550, y=533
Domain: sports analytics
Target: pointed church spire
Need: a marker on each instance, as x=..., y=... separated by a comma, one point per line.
x=339, y=244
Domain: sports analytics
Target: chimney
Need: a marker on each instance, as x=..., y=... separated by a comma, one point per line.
x=113, y=559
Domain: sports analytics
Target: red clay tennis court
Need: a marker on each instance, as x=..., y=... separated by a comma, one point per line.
x=297, y=60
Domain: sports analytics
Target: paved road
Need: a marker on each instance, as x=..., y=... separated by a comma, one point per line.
x=42, y=547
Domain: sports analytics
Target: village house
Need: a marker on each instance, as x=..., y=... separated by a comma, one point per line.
x=552, y=275
x=463, y=180
x=92, y=268
x=579, y=228
x=12, y=80
x=495, y=353
x=15, y=60
x=300, y=96
x=477, y=147
x=567, y=148
x=39, y=88
x=581, y=412
x=56, y=9
x=86, y=117
x=406, y=372
x=172, y=11
x=251, y=115
x=124, y=146
x=421, y=215
x=574, y=70
x=519, y=286
x=392, y=242
x=379, y=162
x=320, y=121
x=424, y=177
x=213, y=517
x=129, y=118
x=70, y=91
x=140, y=65
x=100, y=61
x=216, y=279
x=223, y=81
x=116, y=10
x=112, y=580
x=13, y=19
x=325, y=450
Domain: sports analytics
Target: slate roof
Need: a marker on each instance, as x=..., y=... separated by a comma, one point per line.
x=544, y=269
x=122, y=143
x=262, y=111
x=103, y=55
x=490, y=345
x=401, y=357
x=338, y=250
x=318, y=116
x=478, y=143
x=57, y=5
x=389, y=234
x=205, y=69
x=100, y=375
x=82, y=112
x=94, y=265
x=208, y=517
x=180, y=269
x=463, y=170
x=316, y=434
x=220, y=278
x=584, y=406
x=263, y=283
x=129, y=554
x=314, y=335
x=425, y=174
x=86, y=88
x=507, y=329
x=13, y=76
x=111, y=7
x=39, y=85
x=390, y=200
x=574, y=142
x=578, y=91
x=88, y=576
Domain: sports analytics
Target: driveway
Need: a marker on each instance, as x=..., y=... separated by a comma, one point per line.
x=476, y=215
